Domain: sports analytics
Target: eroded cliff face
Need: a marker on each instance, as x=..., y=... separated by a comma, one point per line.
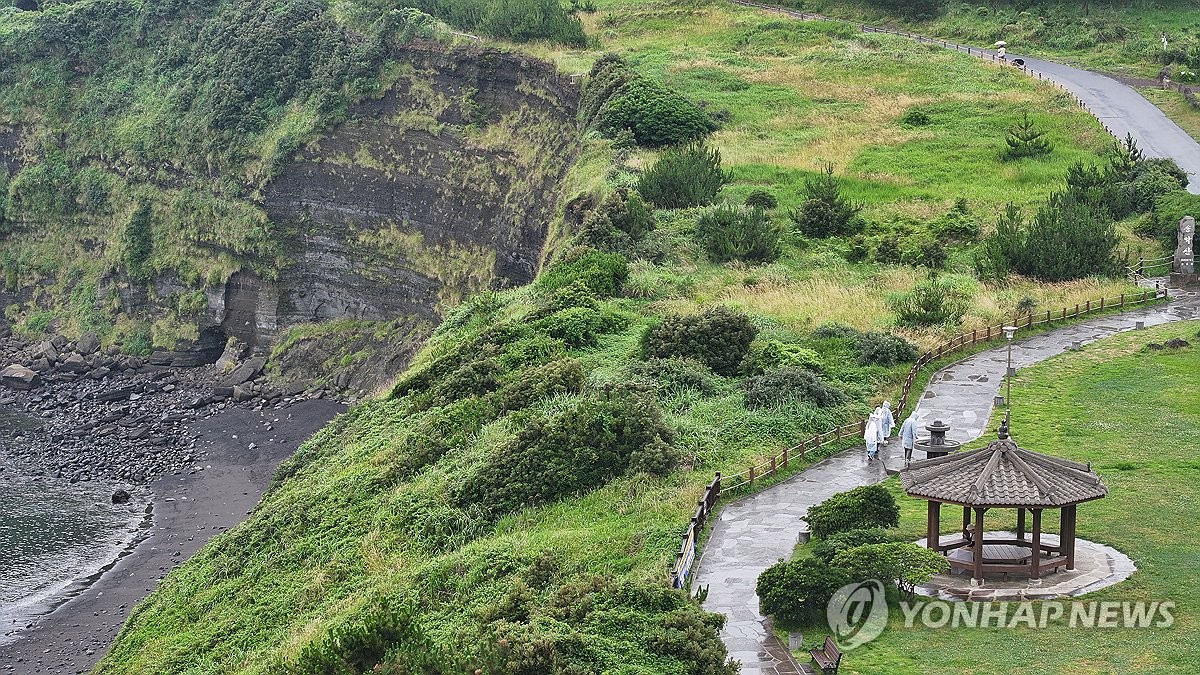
x=439, y=189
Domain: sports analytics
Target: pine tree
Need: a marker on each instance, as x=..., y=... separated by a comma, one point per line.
x=1027, y=141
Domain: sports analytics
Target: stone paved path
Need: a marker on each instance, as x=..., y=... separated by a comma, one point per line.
x=753, y=533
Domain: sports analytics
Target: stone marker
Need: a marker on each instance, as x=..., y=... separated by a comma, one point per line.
x=1185, y=257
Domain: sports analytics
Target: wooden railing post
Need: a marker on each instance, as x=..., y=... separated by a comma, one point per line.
x=785, y=458
x=1122, y=299
x=1102, y=302
x=1089, y=307
x=772, y=466
x=751, y=477
x=802, y=451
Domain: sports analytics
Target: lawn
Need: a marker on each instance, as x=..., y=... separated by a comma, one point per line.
x=1132, y=413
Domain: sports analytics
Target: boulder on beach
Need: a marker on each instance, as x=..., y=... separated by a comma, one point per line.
x=235, y=350
x=120, y=497
x=88, y=344
x=45, y=350
x=244, y=373
x=19, y=377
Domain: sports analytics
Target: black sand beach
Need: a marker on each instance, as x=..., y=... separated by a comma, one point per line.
x=242, y=448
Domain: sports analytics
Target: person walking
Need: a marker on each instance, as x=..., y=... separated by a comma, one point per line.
x=871, y=436
x=908, y=436
x=886, y=421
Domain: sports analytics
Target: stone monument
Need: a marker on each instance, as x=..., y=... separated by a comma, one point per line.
x=1184, y=271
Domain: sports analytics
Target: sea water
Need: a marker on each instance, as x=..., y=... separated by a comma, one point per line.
x=55, y=538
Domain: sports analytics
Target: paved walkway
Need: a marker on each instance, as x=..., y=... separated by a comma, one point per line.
x=753, y=533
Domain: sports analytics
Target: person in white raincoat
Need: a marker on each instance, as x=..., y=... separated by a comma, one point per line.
x=886, y=421
x=871, y=436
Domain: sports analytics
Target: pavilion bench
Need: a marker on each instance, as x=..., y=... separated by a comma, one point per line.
x=828, y=657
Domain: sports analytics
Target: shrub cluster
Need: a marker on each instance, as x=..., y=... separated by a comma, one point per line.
x=601, y=273
x=617, y=98
x=772, y=354
x=862, y=508
x=1070, y=237
x=904, y=564
x=676, y=374
x=884, y=349
x=828, y=548
x=732, y=233
x=622, y=219
x=825, y=211
x=517, y=20
x=604, y=435
x=719, y=338
x=790, y=384
x=684, y=176
x=796, y=592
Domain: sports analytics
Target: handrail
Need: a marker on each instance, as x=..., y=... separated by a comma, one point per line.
x=681, y=567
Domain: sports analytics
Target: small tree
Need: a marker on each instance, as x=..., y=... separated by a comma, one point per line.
x=1027, y=141
x=718, y=338
x=826, y=212
x=684, y=176
x=797, y=592
x=933, y=302
x=761, y=199
x=903, y=563
x=732, y=233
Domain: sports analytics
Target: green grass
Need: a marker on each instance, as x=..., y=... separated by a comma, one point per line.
x=1176, y=107
x=1132, y=413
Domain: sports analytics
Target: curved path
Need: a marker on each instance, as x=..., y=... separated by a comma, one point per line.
x=1119, y=107
x=753, y=533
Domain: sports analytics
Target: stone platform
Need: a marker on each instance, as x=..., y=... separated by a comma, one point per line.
x=1096, y=566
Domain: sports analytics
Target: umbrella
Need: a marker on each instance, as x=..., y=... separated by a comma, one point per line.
x=1001, y=43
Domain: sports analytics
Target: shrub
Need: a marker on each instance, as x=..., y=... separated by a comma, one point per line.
x=859, y=251
x=476, y=377
x=1168, y=211
x=575, y=326
x=684, y=176
x=764, y=356
x=675, y=374
x=790, y=384
x=903, y=563
x=617, y=99
x=1026, y=141
x=924, y=252
x=1067, y=239
x=601, y=273
x=933, y=302
x=518, y=20
x=719, y=338
x=575, y=451
x=836, y=331
x=862, y=508
x=826, y=211
x=761, y=199
x=564, y=376
x=887, y=251
x=732, y=233
x=884, y=349
x=796, y=592
x=915, y=118
x=956, y=225
x=826, y=549
x=621, y=220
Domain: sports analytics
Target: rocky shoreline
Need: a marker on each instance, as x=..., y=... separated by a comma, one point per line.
x=98, y=414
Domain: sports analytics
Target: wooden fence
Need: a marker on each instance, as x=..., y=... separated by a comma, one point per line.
x=684, y=559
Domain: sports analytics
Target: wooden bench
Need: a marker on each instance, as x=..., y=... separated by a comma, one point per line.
x=828, y=657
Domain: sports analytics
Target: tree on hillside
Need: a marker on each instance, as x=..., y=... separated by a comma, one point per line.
x=913, y=9
x=1027, y=141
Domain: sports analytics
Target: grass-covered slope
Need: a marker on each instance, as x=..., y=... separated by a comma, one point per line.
x=1130, y=411
x=513, y=503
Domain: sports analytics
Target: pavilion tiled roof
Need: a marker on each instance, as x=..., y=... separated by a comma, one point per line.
x=1000, y=475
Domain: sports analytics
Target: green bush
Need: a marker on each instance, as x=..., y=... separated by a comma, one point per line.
x=601, y=273
x=903, y=563
x=622, y=218
x=733, y=233
x=772, y=354
x=797, y=592
x=826, y=549
x=761, y=199
x=934, y=302
x=826, y=212
x=790, y=384
x=1071, y=237
x=564, y=376
x=575, y=326
x=836, y=331
x=956, y=225
x=718, y=337
x=136, y=243
x=517, y=20
x=602, y=436
x=915, y=118
x=676, y=374
x=862, y=508
x=617, y=98
x=884, y=349
x=476, y=377
x=1168, y=211
x=684, y=176
x=859, y=250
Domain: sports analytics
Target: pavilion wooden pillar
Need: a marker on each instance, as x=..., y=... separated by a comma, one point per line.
x=977, y=548
x=933, y=525
x=967, y=523
x=1020, y=524
x=1066, y=535
x=1035, y=558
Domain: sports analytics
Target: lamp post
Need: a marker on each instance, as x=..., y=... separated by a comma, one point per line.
x=1009, y=332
